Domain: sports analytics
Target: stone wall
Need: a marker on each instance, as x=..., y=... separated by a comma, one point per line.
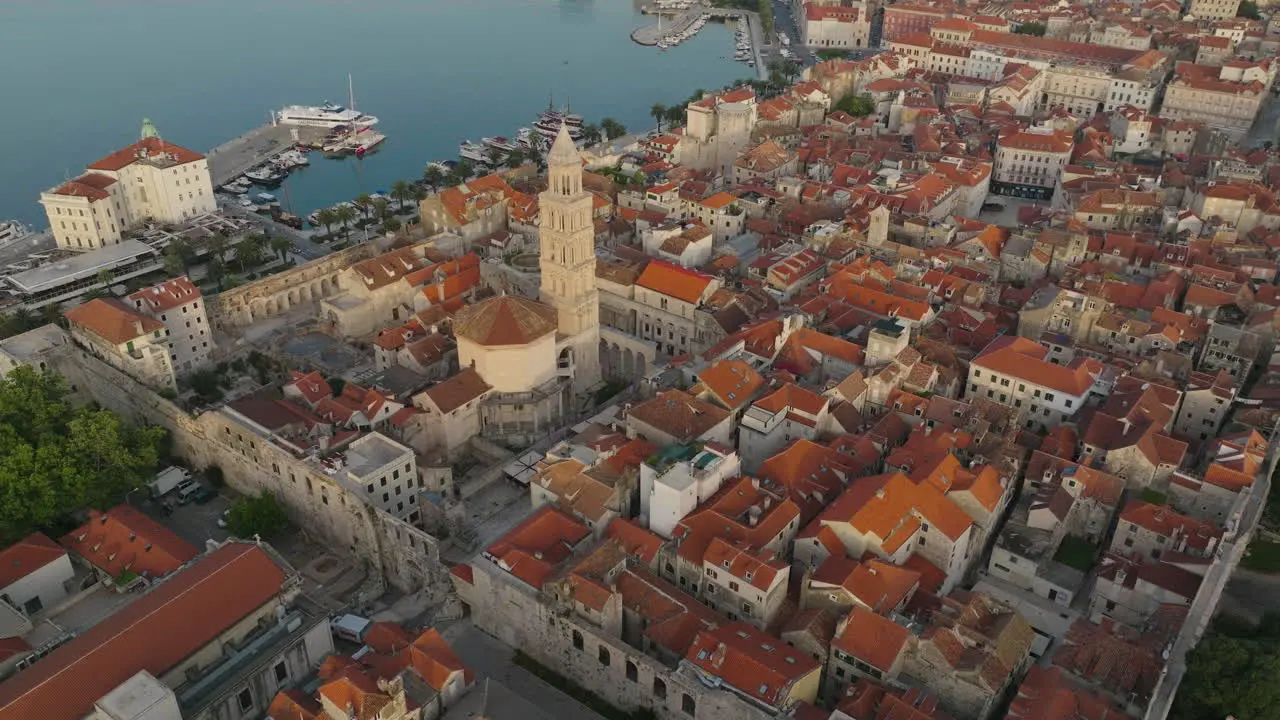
x=406, y=557
x=280, y=293
x=512, y=612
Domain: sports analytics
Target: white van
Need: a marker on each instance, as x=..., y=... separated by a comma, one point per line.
x=187, y=489
x=351, y=627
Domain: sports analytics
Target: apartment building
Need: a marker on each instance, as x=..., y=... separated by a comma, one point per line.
x=744, y=584
x=1147, y=532
x=788, y=413
x=384, y=470
x=135, y=344
x=148, y=180
x=834, y=26
x=679, y=479
x=1225, y=98
x=1028, y=162
x=1015, y=373
x=179, y=304
x=1214, y=9
x=1206, y=402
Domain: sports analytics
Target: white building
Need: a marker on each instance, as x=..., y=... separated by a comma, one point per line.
x=179, y=305
x=671, y=490
x=385, y=471
x=34, y=573
x=1013, y=371
x=1028, y=162
x=149, y=180
x=131, y=342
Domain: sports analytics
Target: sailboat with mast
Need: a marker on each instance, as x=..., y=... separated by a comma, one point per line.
x=352, y=138
x=549, y=121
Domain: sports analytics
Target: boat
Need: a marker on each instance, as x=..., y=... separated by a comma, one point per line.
x=550, y=128
x=267, y=175
x=12, y=231
x=328, y=115
x=244, y=202
x=500, y=144
x=475, y=152
x=444, y=166
x=290, y=220
x=265, y=198
x=314, y=219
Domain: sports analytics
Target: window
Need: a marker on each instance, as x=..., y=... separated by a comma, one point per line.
x=659, y=688
x=604, y=656
x=577, y=640
x=245, y=698
x=633, y=673
x=282, y=672
x=733, y=586
x=1048, y=397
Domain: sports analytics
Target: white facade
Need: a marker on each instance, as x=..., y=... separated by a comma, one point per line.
x=668, y=495
x=149, y=180
x=385, y=471
x=40, y=589
x=179, y=304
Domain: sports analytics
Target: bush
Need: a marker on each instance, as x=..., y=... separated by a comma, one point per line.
x=260, y=515
x=205, y=385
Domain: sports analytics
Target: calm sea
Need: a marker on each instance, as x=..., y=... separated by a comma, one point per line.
x=78, y=76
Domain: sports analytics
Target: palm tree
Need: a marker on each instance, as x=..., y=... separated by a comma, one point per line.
x=432, y=176
x=365, y=203
x=534, y=153
x=51, y=313
x=328, y=218
x=24, y=319
x=658, y=112
x=402, y=191
x=249, y=252
x=173, y=263
x=591, y=134
x=280, y=245
x=612, y=128
x=381, y=209
x=345, y=215
x=675, y=115
x=218, y=246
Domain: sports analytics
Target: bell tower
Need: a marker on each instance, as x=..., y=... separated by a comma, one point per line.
x=567, y=235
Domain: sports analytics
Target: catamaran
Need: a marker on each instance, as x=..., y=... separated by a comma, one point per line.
x=328, y=115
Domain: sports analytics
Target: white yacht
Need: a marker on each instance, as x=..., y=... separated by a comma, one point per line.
x=12, y=230
x=328, y=115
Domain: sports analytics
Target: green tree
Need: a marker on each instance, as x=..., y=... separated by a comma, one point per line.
x=55, y=460
x=249, y=251
x=515, y=159
x=381, y=209
x=218, y=247
x=280, y=245
x=493, y=156
x=328, y=218
x=857, y=105
x=51, y=314
x=105, y=277
x=612, y=128
x=216, y=271
x=461, y=172
x=831, y=54
x=1230, y=676
x=1249, y=9
x=261, y=515
x=178, y=257
x=1032, y=28
x=591, y=134
x=364, y=203
x=402, y=191
x=659, y=113
x=345, y=215
x=765, y=8
x=675, y=116
x=433, y=176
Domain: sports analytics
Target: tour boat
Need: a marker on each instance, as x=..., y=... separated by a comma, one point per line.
x=500, y=144
x=266, y=175
x=267, y=198
x=327, y=115
x=475, y=152
x=551, y=128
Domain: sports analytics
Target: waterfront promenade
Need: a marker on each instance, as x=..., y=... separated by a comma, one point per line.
x=652, y=34
x=236, y=156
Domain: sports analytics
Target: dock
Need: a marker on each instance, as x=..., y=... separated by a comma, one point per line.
x=652, y=34
x=234, y=157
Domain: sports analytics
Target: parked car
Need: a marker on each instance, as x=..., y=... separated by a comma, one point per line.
x=187, y=490
x=204, y=494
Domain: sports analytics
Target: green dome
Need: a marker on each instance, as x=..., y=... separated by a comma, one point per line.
x=149, y=129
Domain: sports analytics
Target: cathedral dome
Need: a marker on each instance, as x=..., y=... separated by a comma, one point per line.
x=505, y=320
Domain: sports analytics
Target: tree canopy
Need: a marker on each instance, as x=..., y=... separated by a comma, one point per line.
x=857, y=105
x=260, y=515
x=55, y=459
x=1032, y=28
x=1232, y=671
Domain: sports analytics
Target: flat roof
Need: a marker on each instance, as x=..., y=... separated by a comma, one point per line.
x=30, y=344
x=54, y=274
x=372, y=452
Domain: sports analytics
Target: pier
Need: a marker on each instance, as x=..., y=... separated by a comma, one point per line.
x=234, y=157
x=653, y=34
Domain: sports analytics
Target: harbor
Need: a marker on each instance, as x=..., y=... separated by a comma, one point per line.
x=691, y=17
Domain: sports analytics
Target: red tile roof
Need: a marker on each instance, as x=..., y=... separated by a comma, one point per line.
x=154, y=633
x=674, y=281
x=758, y=665
x=112, y=320
x=27, y=556
x=169, y=294
x=148, y=148
x=871, y=638
x=533, y=549
x=505, y=320
x=124, y=539
x=1024, y=359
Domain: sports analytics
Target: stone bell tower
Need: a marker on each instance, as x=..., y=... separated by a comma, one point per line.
x=567, y=235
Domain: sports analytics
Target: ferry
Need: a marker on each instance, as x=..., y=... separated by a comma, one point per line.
x=327, y=115
x=550, y=128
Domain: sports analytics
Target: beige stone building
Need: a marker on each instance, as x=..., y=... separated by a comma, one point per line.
x=1226, y=99
x=717, y=129
x=149, y=180
x=179, y=304
x=1214, y=9
x=834, y=26
x=1028, y=162
x=126, y=339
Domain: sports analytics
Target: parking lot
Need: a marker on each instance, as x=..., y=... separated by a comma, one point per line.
x=193, y=522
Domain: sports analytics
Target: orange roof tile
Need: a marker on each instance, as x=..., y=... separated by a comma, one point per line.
x=27, y=556
x=113, y=321
x=172, y=293
x=733, y=382
x=674, y=281
x=151, y=149
x=124, y=539
x=534, y=547
x=505, y=320
x=758, y=665
x=871, y=638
